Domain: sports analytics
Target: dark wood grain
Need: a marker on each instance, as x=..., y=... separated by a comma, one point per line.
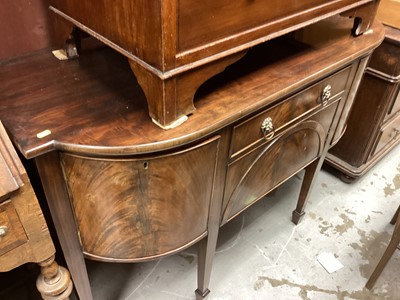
x=274, y=162
x=126, y=190
x=172, y=44
x=137, y=209
x=100, y=86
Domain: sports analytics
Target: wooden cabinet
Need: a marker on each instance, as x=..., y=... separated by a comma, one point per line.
x=374, y=124
x=120, y=188
x=174, y=46
x=24, y=236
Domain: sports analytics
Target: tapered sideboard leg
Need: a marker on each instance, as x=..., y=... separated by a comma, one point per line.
x=310, y=175
x=206, y=252
x=50, y=172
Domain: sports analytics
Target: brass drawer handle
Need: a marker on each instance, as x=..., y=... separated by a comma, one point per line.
x=326, y=94
x=267, y=128
x=3, y=231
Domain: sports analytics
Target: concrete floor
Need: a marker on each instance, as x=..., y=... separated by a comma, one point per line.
x=262, y=255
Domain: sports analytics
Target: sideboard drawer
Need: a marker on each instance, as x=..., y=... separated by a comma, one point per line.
x=249, y=133
x=202, y=22
x=12, y=233
x=253, y=175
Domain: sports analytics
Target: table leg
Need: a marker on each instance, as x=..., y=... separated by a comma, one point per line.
x=54, y=282
x=310, y=175
x=394, y=242
x=61, y=212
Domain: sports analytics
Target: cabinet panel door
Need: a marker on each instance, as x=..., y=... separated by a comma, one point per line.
x=259, y=171
x=136, y=209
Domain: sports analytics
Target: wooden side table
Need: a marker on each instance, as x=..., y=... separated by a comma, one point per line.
x=24, y=236
x=374, y=124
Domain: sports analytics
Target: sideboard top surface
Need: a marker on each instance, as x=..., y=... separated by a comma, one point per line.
x=93, y=105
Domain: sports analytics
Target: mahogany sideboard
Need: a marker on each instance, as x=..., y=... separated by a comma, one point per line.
x=121, y=189
x=376, y=107
x=24, y=236
x=174, y=46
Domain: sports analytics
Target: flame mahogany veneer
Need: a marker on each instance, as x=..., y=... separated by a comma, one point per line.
x=122, y=189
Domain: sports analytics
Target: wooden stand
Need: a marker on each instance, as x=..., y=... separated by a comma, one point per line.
x=24, y=236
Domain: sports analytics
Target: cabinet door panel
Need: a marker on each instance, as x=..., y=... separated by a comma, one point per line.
x=136, y=209
x=259, y=171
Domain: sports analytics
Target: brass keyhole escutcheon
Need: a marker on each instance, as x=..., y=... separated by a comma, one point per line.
x=267, y=128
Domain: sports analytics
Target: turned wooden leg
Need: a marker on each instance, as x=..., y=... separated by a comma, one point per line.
x=310, y=175
x=393, y=244
x=64, y=221
x=54, y=282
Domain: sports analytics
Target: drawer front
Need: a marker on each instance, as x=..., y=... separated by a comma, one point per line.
x=136, y=209
x=388, y=134
x=249, y=133
x=202, y=22
x=252, y=176
x=12, y=233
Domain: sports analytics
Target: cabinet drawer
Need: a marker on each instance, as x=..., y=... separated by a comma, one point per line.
x=12, y=233
x=249, y=133
x=202, y=22
x=388, y=134
x=253, y=175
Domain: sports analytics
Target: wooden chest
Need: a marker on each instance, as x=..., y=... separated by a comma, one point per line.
x=173, y=46
x=374, y=124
